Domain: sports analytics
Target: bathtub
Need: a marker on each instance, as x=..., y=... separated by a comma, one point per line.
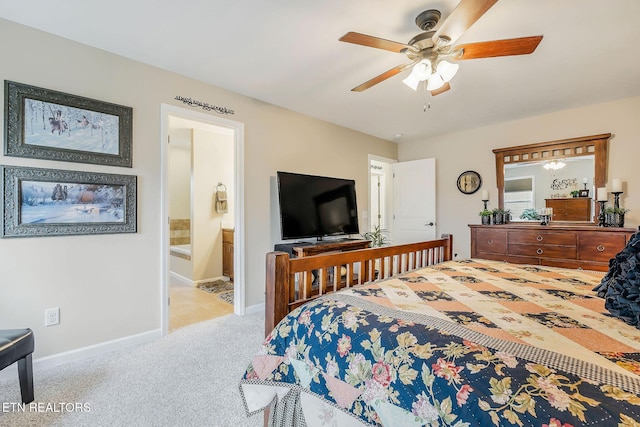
x=181, y=251
x=180, y=264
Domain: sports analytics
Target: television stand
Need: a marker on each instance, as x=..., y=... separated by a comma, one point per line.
x=303, y=249
x=330, y=246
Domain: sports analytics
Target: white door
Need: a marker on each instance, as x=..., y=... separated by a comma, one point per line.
x=414, y=201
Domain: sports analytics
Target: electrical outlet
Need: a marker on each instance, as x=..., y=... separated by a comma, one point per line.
x=52, y=316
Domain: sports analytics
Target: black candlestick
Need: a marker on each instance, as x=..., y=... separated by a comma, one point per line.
x=601, y=221
x=616, y=201
x=485, y=204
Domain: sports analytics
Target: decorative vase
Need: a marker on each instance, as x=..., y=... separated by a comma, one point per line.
x=614, y=219
x=498, y=218
x=486, y=220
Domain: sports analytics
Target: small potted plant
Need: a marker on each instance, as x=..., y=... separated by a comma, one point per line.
x=614, y=217
x=378, y=236
x=498, y=216
x=486, y=216
x=506, y=216
x=530, y=214
x=575, y=193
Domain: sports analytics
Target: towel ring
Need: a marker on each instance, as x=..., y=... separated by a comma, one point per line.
x=224, y=187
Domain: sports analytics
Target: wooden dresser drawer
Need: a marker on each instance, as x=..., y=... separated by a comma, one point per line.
x=543, y=251
x=569, y=246
x=600, y=246
x=536, y=237
x=491, y=241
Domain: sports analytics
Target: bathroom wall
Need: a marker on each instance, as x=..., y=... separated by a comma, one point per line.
x=180, y=187
x=213, y=159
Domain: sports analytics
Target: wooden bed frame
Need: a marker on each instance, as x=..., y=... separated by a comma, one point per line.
x=292, y=282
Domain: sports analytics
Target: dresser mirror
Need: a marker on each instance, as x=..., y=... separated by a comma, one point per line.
x=548, y=175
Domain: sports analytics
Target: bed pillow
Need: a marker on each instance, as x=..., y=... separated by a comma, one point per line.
x=620, y=287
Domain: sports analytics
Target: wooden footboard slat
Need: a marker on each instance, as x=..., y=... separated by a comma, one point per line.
x=290, y=282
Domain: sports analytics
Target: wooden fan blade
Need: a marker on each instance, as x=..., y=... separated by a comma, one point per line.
x=382, y=77
x=445, y=87
x=462, y=18
x=507, y=47
x=371, y=41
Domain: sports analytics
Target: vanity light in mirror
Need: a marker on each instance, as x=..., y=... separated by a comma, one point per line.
x=554, y=165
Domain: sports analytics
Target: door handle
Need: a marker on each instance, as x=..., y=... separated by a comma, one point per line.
x=431, y=224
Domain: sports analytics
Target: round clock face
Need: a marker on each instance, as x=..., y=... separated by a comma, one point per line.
x=469, y=182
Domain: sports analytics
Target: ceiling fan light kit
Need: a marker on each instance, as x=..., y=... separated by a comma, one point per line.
x=428, y=50
x=423, y=71
x=554, y=165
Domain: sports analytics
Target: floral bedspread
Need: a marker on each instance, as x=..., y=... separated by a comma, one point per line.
x=463, y=343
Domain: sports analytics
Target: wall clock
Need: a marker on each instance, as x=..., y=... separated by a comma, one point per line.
x=469, y=182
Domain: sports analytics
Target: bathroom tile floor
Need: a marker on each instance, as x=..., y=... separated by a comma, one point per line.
x=192, y=305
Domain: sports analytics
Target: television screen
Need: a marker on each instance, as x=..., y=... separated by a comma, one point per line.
x=316, y=206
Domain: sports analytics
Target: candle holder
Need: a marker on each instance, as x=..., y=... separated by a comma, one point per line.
x=601, y=217
x=616, y=201
x=485, y=204
x=546, y=218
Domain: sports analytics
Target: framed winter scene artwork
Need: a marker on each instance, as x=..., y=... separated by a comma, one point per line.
x=51, y=202
x=46, y=124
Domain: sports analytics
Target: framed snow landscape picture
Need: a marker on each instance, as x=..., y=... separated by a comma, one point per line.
x=51, y=202
x=46, y=124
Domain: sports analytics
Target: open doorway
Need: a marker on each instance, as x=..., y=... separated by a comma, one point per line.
x=202, y=244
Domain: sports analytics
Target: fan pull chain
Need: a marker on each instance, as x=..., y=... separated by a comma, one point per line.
x=427, y=97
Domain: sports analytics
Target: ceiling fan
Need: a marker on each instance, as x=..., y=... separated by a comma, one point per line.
x=430, y=50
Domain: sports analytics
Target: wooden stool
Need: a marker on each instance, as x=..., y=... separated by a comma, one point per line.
x=16, y=345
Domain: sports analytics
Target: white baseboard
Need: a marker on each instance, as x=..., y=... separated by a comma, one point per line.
x=181, y=278
x=212, y=279
x=190, y=282
x=83, y=353
x=254, y=308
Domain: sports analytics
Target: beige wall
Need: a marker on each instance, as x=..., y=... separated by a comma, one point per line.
x=212, y=163
x=460, y=151
x=108, y=287
x=180, y=174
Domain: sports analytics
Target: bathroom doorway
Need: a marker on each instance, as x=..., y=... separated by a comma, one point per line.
x=202, y=245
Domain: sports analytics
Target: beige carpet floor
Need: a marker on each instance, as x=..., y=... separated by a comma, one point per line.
x=188, y=378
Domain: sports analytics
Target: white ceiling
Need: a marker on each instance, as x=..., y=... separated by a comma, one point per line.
x=286, y=52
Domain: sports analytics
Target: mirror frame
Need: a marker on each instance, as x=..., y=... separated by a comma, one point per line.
x=595, y=145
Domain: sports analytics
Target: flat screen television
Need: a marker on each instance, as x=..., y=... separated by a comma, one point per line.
x=316, y=206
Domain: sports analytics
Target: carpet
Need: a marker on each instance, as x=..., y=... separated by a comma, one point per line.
x=215, y=286
x=187, y=378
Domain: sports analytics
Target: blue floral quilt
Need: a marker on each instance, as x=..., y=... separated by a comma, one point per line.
x=355, y=358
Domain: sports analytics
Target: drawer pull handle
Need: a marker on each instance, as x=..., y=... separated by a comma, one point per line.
x=600, y=248
x=490, y=242
x=539, y=251
x=539, y=238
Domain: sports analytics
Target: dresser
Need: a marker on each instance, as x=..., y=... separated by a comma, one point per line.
x=570, y=246
x=227, y=252
x=572, y=209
